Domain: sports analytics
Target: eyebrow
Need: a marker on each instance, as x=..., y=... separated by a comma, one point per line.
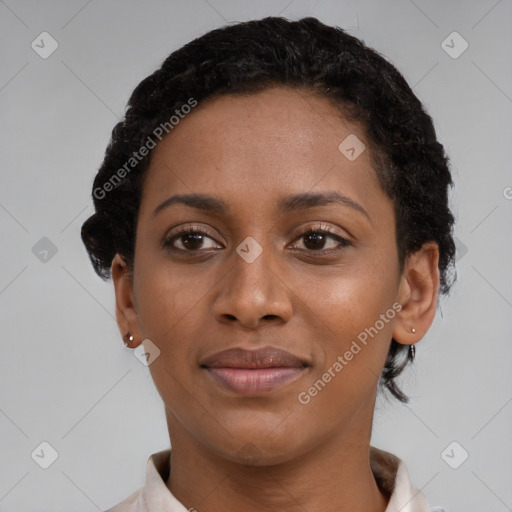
x=286, y=205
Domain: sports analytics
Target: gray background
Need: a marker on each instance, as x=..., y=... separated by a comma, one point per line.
x=64, y=373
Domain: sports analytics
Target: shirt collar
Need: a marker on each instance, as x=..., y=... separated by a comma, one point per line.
x=390, y=474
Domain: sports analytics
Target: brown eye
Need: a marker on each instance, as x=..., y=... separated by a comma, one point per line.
x=190, y=240
x=321, y=240
x=314, y=241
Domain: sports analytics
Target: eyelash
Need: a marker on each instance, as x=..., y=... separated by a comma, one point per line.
x=190, y=230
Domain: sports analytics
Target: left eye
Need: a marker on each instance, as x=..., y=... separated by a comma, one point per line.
x=315, y=240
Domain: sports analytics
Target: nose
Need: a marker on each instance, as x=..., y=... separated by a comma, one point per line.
x=252, y=294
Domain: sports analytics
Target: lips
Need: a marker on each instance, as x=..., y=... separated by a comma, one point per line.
x=254, y=372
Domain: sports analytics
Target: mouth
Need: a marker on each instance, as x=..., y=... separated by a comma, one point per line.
x=254, y=372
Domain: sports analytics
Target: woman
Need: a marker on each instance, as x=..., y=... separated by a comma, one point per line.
x=273, y=212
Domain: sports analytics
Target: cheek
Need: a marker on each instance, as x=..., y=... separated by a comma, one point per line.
x=169, y=312
x=351, y=316
x=349, y=298
x=172, y=309
x=349, y=361
x=166, y=295
x=158, y=306
x=358, y=307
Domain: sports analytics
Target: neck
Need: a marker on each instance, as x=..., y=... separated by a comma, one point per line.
x=335, y=475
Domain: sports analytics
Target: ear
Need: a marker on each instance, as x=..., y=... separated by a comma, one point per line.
x=126, y=314
x=417, y=293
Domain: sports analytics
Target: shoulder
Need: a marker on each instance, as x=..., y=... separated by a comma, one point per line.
x=393, y=480
x=154, y=494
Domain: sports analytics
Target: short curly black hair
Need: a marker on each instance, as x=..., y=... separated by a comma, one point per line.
x=248, y=57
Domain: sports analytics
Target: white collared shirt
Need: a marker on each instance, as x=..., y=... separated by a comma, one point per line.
x=390, y=474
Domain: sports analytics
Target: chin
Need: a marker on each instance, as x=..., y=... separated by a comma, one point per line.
x=258, y=447
x=259, y=455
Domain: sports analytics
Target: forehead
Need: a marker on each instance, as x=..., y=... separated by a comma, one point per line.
x=262, y=146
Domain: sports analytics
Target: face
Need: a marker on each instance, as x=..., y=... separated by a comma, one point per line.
x=289, y=257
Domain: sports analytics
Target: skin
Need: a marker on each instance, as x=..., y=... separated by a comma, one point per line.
x=270, y=451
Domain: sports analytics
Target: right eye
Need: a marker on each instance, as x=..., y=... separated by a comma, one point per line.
x=189, y=240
